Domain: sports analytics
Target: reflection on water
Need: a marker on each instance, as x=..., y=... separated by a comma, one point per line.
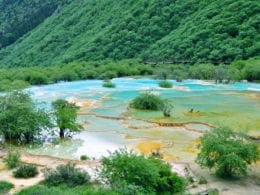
x=235, y=103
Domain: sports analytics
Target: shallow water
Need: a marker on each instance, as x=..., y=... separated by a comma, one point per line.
x=233, y=105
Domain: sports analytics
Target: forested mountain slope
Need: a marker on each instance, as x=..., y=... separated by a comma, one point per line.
x=171, y=30
x=17, y=17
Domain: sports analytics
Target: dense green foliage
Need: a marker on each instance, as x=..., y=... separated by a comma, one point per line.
x=84, y=157
x=108, y=84
x=227, y=152
x=12, y=160
x=5, y=187
x=125, y=170
x=66, y=116
x=66, y=174
x=193, y=30
x=22, y=77
x=150, y=101
x=64, y=190
x=147, y=101
x=17, y=17
x=165, y=84
x=15, y=78
x=21, y=121
x=26, y=171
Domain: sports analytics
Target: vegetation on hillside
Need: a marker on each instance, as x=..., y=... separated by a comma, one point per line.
x=192, y=31
x=18, y=17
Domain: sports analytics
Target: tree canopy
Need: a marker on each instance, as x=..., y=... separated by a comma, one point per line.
x=21, y=121
x=66, y=116
x=226, y=151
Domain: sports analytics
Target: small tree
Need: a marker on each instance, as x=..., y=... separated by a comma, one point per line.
x=20, y=119
x=166, y=107
x=227, y=151
x=66, y=116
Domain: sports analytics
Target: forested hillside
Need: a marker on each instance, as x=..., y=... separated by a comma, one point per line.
x=17, y=17
x=172, y=30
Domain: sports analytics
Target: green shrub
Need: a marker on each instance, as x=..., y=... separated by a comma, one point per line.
x=66, y=174
x=26, y=171
x=12, y=160
x=137, y=173
x=165, y=84
x=84, y=157
x=122, y=187
x=109, y=84
x=203, y=180
x=147, y=101
x=5, y=187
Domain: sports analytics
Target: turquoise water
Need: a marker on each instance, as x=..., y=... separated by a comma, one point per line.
x=101, y=134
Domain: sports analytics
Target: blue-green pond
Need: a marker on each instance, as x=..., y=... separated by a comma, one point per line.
x=109, y=124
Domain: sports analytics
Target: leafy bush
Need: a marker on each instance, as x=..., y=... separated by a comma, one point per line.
x=66, y=174
x=109, y=84
x=147, y=101
x=226, y=151
x=137, y=173
x=165, y=84
x=5, y=187
x=12, y=160
x=122, y=187
x=84, y=157
x=26, y=171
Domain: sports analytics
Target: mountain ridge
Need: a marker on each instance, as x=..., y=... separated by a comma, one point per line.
x=193, y=30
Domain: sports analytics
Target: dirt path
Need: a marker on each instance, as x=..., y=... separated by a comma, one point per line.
x=41, y=162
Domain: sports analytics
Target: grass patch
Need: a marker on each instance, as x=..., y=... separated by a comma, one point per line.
x=65, y=190
x=5, y=187
x=12, y=160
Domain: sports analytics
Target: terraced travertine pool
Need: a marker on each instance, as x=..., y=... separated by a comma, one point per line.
x=109, y=124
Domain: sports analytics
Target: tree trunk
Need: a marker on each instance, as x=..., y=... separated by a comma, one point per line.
x=62, y=133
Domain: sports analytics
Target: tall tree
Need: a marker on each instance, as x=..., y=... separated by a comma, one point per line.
x=66, y=116
x=21, y=121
